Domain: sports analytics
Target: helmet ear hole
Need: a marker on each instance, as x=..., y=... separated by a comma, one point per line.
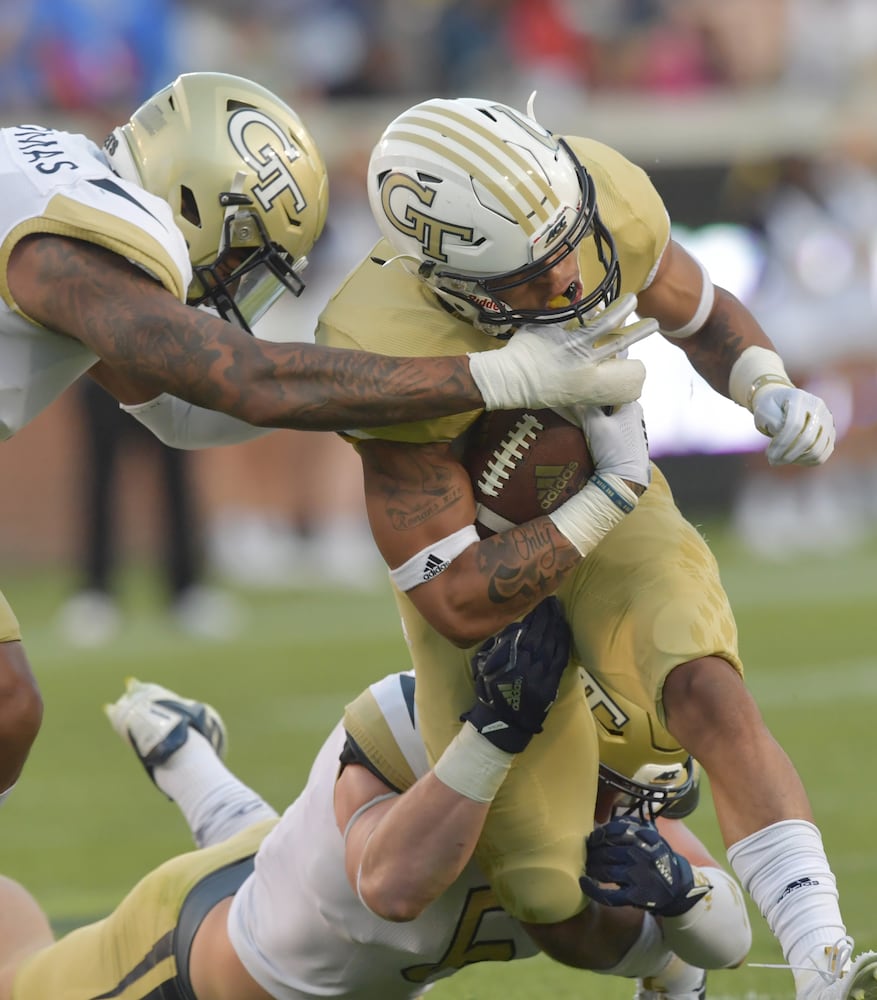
x=189, y=206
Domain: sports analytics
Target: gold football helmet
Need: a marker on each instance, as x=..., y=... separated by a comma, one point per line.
x=246, y=183
x=643, y=770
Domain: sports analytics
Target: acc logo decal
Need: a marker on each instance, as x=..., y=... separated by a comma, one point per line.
x=246, y=130
x=426, y=229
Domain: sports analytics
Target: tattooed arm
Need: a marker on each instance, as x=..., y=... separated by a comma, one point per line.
x=150, y=343
x=672, y=299
x=416, y=496
x=726, y=345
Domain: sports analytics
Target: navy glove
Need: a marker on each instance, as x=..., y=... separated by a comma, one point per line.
x=648, y=873
x=517, y=673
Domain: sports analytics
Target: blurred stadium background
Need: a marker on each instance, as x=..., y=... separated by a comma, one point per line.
x=755, y=119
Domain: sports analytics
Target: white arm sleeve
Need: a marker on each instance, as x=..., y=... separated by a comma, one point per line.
x=184, y=425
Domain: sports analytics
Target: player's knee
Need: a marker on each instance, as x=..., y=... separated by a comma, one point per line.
x=538, y=895
x=706, y=699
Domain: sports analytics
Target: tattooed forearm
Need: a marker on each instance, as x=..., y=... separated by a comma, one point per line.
x=147, y=336
x=525, y=564
x=715, y=348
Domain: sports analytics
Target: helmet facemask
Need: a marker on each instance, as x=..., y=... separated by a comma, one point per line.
x=249, y=272
x=653, y=790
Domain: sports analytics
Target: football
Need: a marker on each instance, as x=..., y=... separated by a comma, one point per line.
x=523, y=464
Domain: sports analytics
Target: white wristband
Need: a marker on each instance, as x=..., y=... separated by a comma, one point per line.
x=593, y=512
x=434, y=559
x=472, y=766
x=701, y=314
x=755, y=368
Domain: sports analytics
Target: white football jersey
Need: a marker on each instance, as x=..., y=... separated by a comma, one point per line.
x=301, y=931
x=60, y=183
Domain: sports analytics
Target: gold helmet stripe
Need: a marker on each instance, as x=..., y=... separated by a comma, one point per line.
x=530, y=200
x=485, y=135
x=520, y=214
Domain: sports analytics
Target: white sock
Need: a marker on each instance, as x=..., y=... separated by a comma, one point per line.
x=214, y=802
x=785, y=870
x=4, y=795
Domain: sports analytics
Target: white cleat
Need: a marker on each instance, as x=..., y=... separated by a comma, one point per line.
x=844, y=980
x=155, y=722
x=653, y=989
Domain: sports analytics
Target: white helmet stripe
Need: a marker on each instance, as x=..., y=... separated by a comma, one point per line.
x=525, y=196
x=484, y=135
x=522, y=214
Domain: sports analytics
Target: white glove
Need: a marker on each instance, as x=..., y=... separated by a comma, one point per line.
x=618, y=442
x=544, y=366
x=800, y=424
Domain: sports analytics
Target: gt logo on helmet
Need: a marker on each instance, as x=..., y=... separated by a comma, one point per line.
x=428, y=231
x=246, y=130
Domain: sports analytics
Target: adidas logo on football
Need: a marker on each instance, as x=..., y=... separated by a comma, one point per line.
x=551, y=481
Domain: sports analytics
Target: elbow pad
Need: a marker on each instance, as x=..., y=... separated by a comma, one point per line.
x=183, y=425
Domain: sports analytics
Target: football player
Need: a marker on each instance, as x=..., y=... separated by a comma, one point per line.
x=367, y=886
x=491, y=221
x=123, y=262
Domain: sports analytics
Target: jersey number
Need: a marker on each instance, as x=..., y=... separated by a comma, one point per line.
x=463, y=949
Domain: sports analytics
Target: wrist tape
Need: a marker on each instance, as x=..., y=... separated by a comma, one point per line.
x=593, y=512
x=472, y=766
x=498, y=384
x=434, y=559
x=755, y=368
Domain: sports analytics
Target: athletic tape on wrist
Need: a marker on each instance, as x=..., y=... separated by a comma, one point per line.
x=593, y=512
x=755, y=368
x=472, y=766
x=434, y=559
x=624, y=505
x=701, y=314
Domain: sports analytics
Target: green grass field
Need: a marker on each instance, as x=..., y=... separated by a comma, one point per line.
x=85, y=822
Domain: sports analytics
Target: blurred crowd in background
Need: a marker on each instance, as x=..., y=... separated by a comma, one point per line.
x=757, y=119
